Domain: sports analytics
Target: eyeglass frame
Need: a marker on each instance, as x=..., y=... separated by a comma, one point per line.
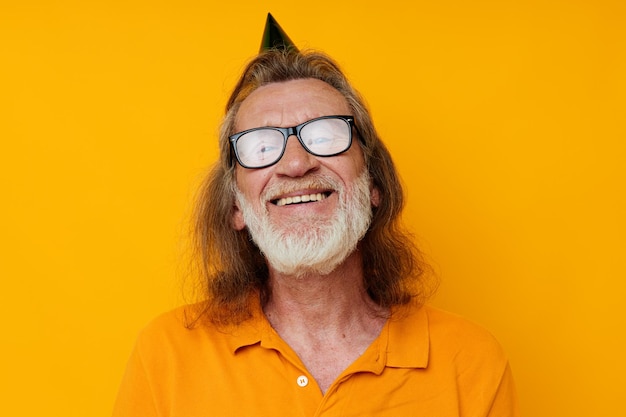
x=287, y=132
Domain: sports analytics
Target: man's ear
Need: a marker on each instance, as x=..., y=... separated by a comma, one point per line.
x=375, y=196
x=237, y=220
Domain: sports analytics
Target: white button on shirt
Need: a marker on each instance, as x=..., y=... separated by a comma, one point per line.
x=303, y=381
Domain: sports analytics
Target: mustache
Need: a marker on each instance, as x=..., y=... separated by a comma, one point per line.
x=313, y=182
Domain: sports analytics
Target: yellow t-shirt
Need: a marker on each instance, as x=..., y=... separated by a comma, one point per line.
x=425, y=362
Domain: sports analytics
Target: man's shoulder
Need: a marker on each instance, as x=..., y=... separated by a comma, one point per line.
x=448, y=332
x=189, y=327
x=184, y=324
x=169, y=325
x=465, y=337
x=446, y=321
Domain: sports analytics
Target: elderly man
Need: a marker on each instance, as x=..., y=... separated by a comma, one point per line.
x=315, y=294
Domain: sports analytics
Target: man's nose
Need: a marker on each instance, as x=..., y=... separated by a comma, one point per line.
x=296, y=161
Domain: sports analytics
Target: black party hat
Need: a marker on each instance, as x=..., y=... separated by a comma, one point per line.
x=274, y=37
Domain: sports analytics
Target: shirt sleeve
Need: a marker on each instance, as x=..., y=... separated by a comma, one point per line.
x=135, y=397
x=505, y=402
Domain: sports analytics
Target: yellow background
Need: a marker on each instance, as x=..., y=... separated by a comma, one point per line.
x=506, y=119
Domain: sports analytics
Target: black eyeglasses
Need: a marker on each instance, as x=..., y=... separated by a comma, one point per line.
x=264, y=146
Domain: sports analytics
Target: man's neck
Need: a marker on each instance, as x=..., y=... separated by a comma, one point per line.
x=327, y=301
x=329, y=320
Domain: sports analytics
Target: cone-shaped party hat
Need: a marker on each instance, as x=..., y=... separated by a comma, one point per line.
x=274, y=37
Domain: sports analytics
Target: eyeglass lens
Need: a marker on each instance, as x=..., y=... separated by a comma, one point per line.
x=321, y=137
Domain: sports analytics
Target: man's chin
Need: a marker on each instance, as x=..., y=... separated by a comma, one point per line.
x=302, y=271
x=298, y=257
x=306, y=228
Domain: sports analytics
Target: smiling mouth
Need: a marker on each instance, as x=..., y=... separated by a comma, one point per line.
x=299, y=199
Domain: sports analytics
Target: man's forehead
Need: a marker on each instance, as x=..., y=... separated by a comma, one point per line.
x=289, y=103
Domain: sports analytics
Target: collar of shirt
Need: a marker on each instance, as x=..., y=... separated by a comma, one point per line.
x=402, y=343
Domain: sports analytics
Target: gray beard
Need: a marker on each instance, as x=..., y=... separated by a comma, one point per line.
x=312, y=245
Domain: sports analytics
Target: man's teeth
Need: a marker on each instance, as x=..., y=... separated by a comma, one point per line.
x=300, y=199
